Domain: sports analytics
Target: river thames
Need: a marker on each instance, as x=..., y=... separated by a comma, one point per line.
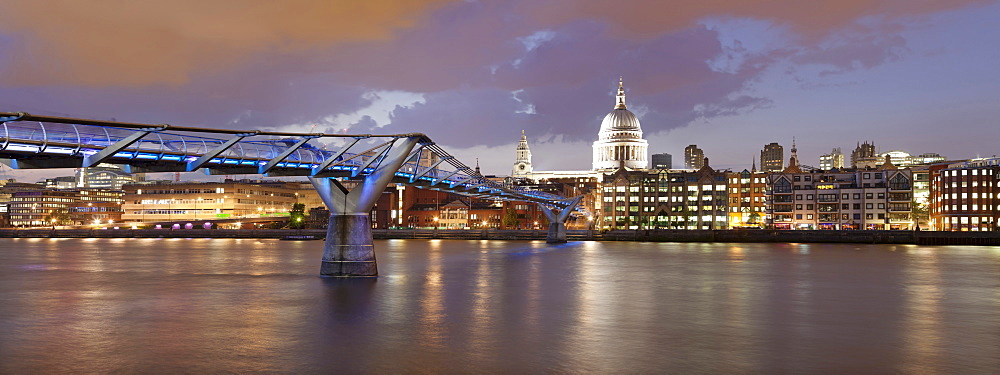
x=454, y=306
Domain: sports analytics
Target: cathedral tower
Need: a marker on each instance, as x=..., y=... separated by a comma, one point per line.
x=522, y=166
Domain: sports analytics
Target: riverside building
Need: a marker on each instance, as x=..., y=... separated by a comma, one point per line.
x=858, y=199
x=211, y=200
x=966, y=196
x=747, y=201
x=645, y=199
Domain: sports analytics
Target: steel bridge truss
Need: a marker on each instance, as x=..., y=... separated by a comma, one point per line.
x=30, y=142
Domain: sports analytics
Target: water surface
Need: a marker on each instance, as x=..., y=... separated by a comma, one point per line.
x=447, y=306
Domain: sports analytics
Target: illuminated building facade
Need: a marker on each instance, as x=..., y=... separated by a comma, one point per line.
x=209, y=200
x=833, y=160
x=966, y=196
x=644, y=199
x=619, y=143
x=863, y=199
x=747, y=201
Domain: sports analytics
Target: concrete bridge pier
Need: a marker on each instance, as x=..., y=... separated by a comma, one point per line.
x=349, y=250
x=557, y=221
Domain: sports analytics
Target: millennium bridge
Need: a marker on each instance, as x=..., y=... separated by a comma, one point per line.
x=372, y=161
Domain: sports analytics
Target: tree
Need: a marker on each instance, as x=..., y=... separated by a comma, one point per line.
x=58, y=216
x=921, y=215
x=510, y=217
x=754, y=217
x=297, y=216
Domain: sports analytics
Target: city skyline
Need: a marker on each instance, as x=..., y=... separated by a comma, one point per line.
x=730, y=78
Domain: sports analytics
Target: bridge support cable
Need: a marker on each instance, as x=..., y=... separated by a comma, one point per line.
x=377, y=159
x=438, y=180
x=208, y=156
x=108, y=152
x=284, y=154
x=462, y=181
x=417, y=176
x=330, y=160
x=557, y=221
x=349, y=249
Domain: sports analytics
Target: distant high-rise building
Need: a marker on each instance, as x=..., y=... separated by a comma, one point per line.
x=834, y=159
x=772, y=158
x=663, y=161
x=694, y=157
x=864, y=156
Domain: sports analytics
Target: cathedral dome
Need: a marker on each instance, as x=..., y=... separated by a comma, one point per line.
x=619, y=142
x=620, y=120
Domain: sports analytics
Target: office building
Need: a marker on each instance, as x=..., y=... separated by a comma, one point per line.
x=694, y=157
x=772, y=158
x=663, y=161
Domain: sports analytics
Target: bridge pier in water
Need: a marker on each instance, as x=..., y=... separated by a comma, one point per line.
x=557, y=221
x=349, y=250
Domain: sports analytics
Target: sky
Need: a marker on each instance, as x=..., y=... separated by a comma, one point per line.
x=727, y=75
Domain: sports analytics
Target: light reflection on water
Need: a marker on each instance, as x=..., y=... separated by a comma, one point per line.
x=247, y=305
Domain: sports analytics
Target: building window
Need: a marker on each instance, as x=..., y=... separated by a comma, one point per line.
x=782, y=186
x=899, y=182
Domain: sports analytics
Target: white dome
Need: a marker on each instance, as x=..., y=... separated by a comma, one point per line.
x=620, y=124
x=620, y=143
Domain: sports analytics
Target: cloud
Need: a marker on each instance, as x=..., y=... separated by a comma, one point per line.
x=132, y=43
x=294, y=64
x=810, y=19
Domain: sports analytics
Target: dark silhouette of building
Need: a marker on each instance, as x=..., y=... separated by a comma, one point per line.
x=663, y=161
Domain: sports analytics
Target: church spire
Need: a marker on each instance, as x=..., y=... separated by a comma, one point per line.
x=620, y=103
x=794, y=160
x=477, y=168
